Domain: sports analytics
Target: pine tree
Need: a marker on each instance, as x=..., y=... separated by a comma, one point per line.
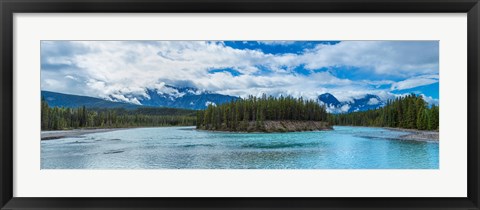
x=410, y=111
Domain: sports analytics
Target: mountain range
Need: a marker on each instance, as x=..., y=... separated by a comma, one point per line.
x=184, y=97
x=73, y=101
x=364, y=103
x=192, y=98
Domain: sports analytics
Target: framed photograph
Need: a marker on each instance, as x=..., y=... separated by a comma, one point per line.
x=239, y=105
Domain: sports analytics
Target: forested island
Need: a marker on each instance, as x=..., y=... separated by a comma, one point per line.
x=410, y=112
x=264, y=114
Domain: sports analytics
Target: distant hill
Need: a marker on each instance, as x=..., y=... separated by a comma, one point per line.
x=72, y=101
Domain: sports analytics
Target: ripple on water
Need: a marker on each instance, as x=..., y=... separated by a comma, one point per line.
x=277, y=145
x=197, y=145
x=113, y=152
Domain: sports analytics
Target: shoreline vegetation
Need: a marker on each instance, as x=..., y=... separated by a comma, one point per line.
x=63, y=118
x=407, y=112
x=253, y=114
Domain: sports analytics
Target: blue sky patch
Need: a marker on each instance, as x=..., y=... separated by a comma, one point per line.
x=277, y=47
x=429, y=90
x=229, y=70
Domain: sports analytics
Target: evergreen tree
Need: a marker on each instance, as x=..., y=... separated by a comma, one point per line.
x=59, y=118
x=410, y=111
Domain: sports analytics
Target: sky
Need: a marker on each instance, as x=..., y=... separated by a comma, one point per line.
x=123, y=70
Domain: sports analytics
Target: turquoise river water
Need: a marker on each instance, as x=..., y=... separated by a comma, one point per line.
x=186, y=148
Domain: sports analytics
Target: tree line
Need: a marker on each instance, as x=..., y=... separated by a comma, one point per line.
x=236, y=115
x=60, y=118
x=409, y=111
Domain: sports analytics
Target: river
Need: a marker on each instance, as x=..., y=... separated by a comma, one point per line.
x=186, y=148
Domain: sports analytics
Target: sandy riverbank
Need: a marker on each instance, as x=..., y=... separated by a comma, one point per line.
x=50, y=135
x=417, y=135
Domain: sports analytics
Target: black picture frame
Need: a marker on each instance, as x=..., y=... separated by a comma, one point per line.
x=9, y=7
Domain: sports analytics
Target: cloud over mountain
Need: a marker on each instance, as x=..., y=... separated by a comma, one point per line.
x=125, y=70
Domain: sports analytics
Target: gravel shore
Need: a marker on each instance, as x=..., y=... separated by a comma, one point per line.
x=417, y=135
x=50, y=135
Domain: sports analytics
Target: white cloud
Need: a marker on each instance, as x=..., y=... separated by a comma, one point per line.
x=415, y=82
x=345, y=108
x=373, y=101
x=70, y=77
x=430, y=100
x=380, y=57
x=208, y=103
x=113, y=68
x=161, y=88
x=122, y=98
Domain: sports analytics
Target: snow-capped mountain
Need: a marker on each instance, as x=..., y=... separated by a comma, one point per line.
x=192, y=98
x=366, y=102
x=180, y=97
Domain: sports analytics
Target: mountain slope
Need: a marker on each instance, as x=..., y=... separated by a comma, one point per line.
x=169, y=96
x=185, y=98
x=329, y=99
x=72, y=101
